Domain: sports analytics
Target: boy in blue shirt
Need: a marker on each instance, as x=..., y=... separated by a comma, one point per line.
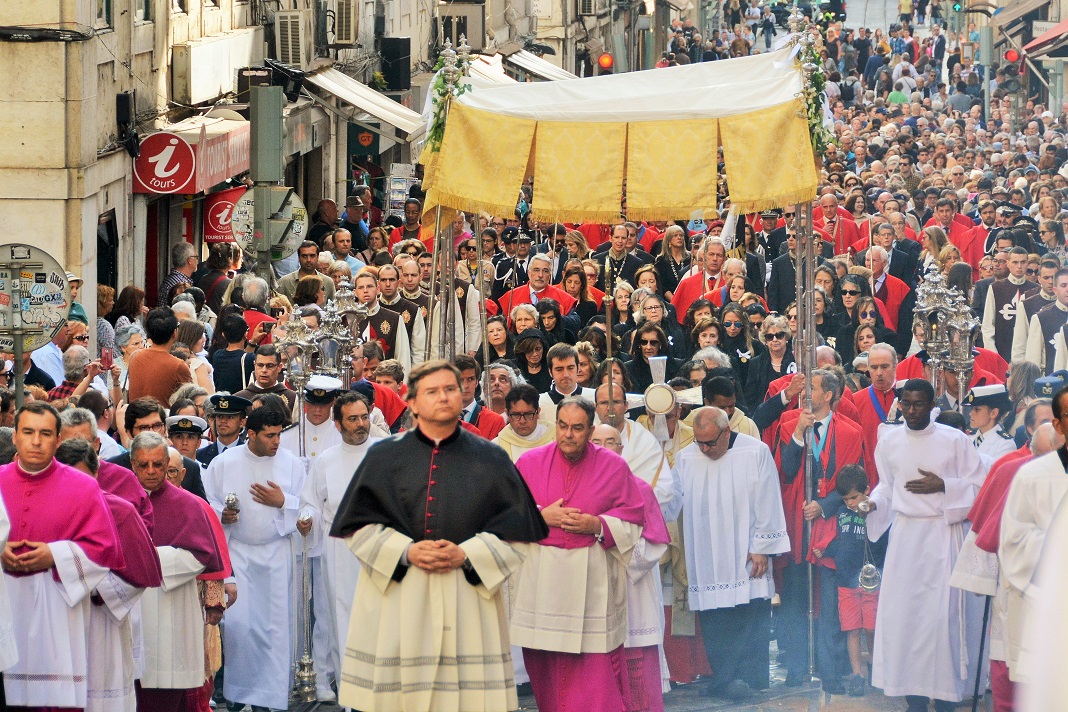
x=856, y=606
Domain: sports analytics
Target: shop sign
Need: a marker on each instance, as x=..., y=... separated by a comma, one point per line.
x=167, y=165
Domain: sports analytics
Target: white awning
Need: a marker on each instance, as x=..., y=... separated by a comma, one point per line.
x=533, y=64
x=366, y=99
x=490, y=68
x=1014, y=11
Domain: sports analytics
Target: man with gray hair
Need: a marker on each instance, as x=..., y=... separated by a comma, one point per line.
x=539, y=272
x=727, y=558
x=171, y=616
x=184, y=261
x=79, y=370
x=502, y=379
x=255, y=294
x=710, y=278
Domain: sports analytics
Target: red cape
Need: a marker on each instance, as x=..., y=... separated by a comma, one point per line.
x=989, y=504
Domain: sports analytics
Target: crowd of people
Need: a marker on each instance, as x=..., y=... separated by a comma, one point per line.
x=516, y=516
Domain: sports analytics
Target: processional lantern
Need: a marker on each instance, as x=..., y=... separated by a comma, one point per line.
x=950, y=331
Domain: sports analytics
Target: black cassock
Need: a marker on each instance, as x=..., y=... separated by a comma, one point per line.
x=452, y=491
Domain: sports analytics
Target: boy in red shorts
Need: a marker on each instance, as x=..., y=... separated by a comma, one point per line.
x=850, y=551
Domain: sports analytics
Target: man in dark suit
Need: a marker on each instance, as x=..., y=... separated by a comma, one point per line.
x=782, y=285
x=771, y=236
x=903, y=256
x=554, y=247
x=617, y=264
x=227, y=416
x=147, y=414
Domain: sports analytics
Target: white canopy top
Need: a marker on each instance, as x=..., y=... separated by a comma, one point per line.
x=712, y=90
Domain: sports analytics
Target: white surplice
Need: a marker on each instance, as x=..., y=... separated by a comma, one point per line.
x=327, y=483
x=111, y=650
x=589, y=615
x=731, y=507
x=645, y=456
x=257, y=642
x=1030, y=505
x=53, y=641
x=645, y=603
x=173, y=624
x=926, y=632
x=9, y=651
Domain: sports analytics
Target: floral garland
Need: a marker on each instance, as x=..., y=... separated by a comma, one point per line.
x=814, y=98
x=441, y=95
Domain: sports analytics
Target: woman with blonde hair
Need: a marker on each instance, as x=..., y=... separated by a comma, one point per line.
x=934, y=240
x=576, y=245
x=948, y=257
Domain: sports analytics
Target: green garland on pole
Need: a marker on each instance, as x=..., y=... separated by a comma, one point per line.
x=441, y=95
x=814, y=98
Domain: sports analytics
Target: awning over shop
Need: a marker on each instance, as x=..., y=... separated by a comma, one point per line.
x=533, y=64
x=366, y=100
x=1048, y=42
x=215, y=147
x=583, y=141
x=1014, y=11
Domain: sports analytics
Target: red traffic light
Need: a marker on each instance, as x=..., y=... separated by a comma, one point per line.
x=605, y=61
x=1012, y=56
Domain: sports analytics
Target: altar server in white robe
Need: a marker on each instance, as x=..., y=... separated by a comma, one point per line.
x=1032, y=501
x=646, y=666
x=642, y=451
x=319, y=434
x=329, y=478
x=926, y=633
x=62, y=544
x=267, y=482
x=733, y=522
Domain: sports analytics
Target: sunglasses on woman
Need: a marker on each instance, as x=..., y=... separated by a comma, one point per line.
x=851, y=292
x=776, y=336
x=868, y=314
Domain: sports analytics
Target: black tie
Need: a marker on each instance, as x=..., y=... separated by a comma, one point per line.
x=816, y=430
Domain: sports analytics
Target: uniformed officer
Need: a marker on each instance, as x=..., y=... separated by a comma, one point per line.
x=227, y=414
x=185, y=433
x=988, y=405
x=319, y=430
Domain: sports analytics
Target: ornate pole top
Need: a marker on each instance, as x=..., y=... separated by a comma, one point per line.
x=463, y=53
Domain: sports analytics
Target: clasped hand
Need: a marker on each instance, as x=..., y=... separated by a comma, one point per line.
x=930, y=483
x=438, y=556
x=38, y=558
x=570, y=519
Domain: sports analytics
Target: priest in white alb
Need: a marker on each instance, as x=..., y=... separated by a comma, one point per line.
x=329, y=479
x=266, y=482
x=1030, y=506
x=62, y=544
x=733, y=522
x=573, y=635
x=642, y=451
x=926, y=632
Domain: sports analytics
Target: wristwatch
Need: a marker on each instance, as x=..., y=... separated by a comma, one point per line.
x=467, y=567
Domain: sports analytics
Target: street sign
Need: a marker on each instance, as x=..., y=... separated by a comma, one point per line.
x=34, y=293
x=166, y=165
x=288, y=225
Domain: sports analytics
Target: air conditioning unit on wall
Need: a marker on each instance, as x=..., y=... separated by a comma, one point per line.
x=346, y=24
x=294, y=32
